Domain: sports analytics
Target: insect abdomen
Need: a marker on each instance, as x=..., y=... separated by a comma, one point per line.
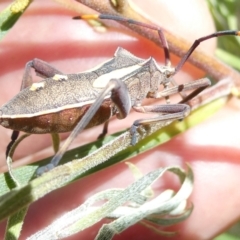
x=56, y=122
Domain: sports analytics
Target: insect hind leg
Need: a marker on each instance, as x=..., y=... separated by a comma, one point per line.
x=43, y=69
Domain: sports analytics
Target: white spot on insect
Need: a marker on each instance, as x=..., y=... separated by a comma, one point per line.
x=37, y=86
x=59, y=77
x=103, y=80
x=70, y=118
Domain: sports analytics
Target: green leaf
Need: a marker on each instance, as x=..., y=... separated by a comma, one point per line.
x=226, y=17
x=226, y=236
x=14, y=200
x=10, y=15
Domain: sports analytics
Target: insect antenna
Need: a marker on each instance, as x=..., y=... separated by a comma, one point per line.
x=162, y=36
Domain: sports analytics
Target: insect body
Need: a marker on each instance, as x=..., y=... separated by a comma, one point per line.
x=73, y=102
x=58, y=103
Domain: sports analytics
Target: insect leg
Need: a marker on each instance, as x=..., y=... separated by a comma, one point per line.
x=105, y=130
x=161, y=35
x=14, y=137
x=41, y=68
x=122, y=101
x=202, y=39
x=198, y=85
x=165, y=113
x=131, y=21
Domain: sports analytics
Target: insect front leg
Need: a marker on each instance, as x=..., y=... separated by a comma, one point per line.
x=168, y=112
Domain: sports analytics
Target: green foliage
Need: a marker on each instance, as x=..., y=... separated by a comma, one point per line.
x=10, y=15
x=226, y=14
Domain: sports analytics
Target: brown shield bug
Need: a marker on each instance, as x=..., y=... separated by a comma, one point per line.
x=72, y=102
